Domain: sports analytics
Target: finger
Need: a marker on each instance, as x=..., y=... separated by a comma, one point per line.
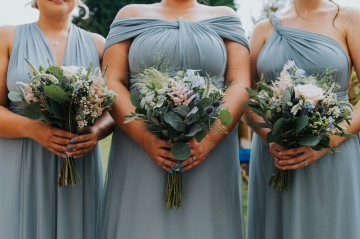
x=190, y=160
x=62, y=133
x=294, y=151
x=299, y=165
x=79, y=153
x=164, y=161
x=166, y=154
x=60, y=140
x=193, y=165
x=277, y=155
x=58, y=147
x=58, y=153
x=82, y=138
x=296, y=160
x=87, y=144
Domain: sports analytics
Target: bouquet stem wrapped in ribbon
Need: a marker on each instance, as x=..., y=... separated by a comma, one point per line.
x=300, y=110
x=70, y=98
x=178, y=109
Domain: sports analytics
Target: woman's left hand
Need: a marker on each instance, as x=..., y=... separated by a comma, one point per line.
x=199, y=152
x=305, y=156
x=84, y=143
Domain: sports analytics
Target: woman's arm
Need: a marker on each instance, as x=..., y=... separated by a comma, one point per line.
x=22, y=127
x=103, y=126
x=116, y=59
x=238, y=78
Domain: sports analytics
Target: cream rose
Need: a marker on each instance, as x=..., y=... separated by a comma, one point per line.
x=70, y=71
x=310, y=92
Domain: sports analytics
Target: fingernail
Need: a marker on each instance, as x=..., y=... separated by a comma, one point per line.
x=69, y=146
x=182, y=170
x=170, y=171
x=280, y=153
x=179, y=165
x=64, y=156
x=174, y=168
x=281, y=162
x=73, y=140
x=75, y=157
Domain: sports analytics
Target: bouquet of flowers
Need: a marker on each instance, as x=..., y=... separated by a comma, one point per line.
x=177, y=109
x=70, y=98
x=300, y=110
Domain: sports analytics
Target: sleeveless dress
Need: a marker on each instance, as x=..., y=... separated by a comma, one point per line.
x=32, y=206
x=135, y=192
x=323, y=201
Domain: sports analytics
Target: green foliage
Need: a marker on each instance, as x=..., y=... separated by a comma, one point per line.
x=103, y=12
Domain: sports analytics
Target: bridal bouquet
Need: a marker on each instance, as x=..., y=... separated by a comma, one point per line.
x=70, y=98
x=178, y=108
x=300, y=110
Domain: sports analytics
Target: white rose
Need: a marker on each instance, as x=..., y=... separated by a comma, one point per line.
x=70, y=71
x=310, y=92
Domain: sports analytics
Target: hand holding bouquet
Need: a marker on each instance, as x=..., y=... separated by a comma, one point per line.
x=177, y=109
x=70, y=98
x=300, y=110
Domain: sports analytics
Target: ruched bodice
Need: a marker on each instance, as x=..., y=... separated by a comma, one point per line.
x=323, y=198
x=134, y=201
x=32, y=206
x=180, y=44
x=310, y=51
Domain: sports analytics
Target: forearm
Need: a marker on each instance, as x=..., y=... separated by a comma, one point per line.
x=249, y=116
x=15, y=126
x=104, y=125
x=135, y=129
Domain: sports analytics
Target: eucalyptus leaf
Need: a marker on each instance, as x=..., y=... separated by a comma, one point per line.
x=194, y=129
x=309, y=140
x=56, y=109
x=174, y=121
x=201, y=134
x=271, y=138
x=278, y=126
x=181, y=151
x=301, y=122
x=182, y=110
x=15, y=96
x=286, y=98
x=225, y=117
x=135, y=99
x=56, y=93
x=33, y=110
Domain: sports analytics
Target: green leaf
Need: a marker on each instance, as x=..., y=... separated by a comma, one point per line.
x=253, y=93
x=56, y=93
x=46, y=116
x=56, y=109
x=259, y=125
x=181, y=151
x=271, y=138
x=55, y=71
x=15, y=96
x=192, y=116
x=201, y=134
x=278, y=126
x=194, y=129
x=225, y=117
x=301, y=122
x=135, y=99
x=174, y=121
x=33, y=110
x=285, y=99
x=182, y=110
x=309, y=140
x=204, y=102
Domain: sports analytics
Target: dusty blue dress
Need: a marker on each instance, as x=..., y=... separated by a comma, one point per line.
x=135, y=192
x=32, y=206
x=323, y=201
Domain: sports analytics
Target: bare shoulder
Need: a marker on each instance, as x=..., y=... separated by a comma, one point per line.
x=220, y=10
x=7, y=34
x=133, y=10
x=352, y=12
x=99, y=42
x=263, y=30
x=348, y=19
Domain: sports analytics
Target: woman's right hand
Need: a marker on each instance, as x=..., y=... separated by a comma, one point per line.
x=275, y=150
x=158, y=150
x=55, y=140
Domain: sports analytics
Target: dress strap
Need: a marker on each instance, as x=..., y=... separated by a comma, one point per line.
x=275, y=22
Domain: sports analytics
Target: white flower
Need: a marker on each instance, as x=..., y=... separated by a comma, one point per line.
x=289, y=64
x=71, y=71
x=310, y=92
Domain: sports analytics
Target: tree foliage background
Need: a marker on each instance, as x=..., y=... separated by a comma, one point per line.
x=103, y=12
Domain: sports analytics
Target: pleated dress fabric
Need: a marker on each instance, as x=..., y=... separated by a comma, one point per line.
x=32, y=206
x=135, y=191
x=323, y=200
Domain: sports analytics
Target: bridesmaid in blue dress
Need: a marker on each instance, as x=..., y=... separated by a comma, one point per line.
x=323, y=200
x=184, y=35
x=32, y=206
